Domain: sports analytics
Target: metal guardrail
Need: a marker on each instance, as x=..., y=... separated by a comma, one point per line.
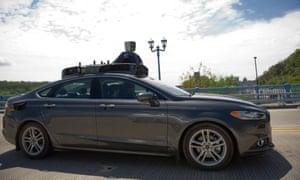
x=3, y=100
x=266, y=94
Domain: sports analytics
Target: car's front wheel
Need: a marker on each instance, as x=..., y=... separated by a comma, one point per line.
x=34, y=141
x=208, y=146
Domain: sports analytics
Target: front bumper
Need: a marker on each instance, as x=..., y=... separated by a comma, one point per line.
x=260, y=150
x=255, y=138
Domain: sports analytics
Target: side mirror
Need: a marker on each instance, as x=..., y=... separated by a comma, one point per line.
x=148, y=97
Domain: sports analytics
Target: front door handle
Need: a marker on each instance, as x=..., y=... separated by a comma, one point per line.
x=110, y=105
x=49, y=105
x=106, y=106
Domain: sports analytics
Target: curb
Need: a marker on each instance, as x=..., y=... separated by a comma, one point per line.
x=281, y=106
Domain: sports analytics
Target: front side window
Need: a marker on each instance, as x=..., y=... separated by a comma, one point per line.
x=167, y=88
x=74, y=89
x=115, y=88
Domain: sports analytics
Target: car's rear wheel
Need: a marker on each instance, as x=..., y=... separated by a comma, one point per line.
x=208, y=146
x=34, y=141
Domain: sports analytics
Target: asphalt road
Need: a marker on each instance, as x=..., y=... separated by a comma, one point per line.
x=282, y=163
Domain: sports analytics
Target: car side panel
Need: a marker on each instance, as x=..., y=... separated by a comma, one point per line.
x=132, y=125
x=183, y=115
x=71, y=121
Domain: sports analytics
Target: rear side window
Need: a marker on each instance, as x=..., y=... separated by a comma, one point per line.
x=45, y=93
x=74, y=89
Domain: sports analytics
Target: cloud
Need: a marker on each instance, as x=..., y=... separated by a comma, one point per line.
x=82, y=21
x=209, y=17
x=9, y=10
x=54, y=34
x=4, y=62
x=79, y=21
x=232, y=52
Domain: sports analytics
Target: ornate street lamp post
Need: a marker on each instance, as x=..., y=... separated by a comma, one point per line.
x=164, y=45
x=255, y=70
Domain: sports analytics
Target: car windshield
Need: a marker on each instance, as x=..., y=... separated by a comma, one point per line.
x=167, y=88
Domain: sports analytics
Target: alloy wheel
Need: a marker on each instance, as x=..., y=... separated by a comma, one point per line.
x=207, y=147
x=33, y=141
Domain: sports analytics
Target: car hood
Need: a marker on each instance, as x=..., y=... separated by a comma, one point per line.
x=214, y=97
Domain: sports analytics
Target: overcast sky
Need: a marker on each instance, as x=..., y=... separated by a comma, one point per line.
x=38, y=38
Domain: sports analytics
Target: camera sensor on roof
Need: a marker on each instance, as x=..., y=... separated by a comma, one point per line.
x=130, y=46
x=127, y=62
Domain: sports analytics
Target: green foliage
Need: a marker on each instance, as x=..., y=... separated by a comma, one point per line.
x=287, y=71
x=18, y=87
x=203, y=77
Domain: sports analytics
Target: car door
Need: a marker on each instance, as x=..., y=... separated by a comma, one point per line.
x=124, y=123
x=70, y=113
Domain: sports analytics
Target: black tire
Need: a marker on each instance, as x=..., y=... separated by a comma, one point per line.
x=34, y=141
x=208, y=146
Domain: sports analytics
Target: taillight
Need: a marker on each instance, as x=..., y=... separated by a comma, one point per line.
x=8, y=107
x=13, y=107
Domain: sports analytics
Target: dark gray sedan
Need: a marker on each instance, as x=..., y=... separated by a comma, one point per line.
x=122, y=113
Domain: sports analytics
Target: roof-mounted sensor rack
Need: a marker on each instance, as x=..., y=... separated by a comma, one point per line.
x=126, y=68
x=127, y=62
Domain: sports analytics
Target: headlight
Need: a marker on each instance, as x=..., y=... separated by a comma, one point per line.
x=248, y=115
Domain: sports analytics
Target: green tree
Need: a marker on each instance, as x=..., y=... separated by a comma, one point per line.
x=203, y=77
x=286, y=71
x=18, y=87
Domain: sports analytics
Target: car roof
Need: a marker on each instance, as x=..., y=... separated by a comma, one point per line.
x=138, y=70
x=100, y=75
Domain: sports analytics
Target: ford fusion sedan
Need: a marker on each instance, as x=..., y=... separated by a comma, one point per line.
x=118, y=112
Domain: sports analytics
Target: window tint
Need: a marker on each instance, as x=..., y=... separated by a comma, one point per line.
x=45, y=93
x=115, y=88
x=75, y=89
x=170, y=89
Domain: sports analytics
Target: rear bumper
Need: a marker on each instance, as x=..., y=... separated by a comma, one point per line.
x=9, y=130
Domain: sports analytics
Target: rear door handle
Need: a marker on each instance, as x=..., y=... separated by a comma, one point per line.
x=102, y=106
x=106, y=106
x=49, y=105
